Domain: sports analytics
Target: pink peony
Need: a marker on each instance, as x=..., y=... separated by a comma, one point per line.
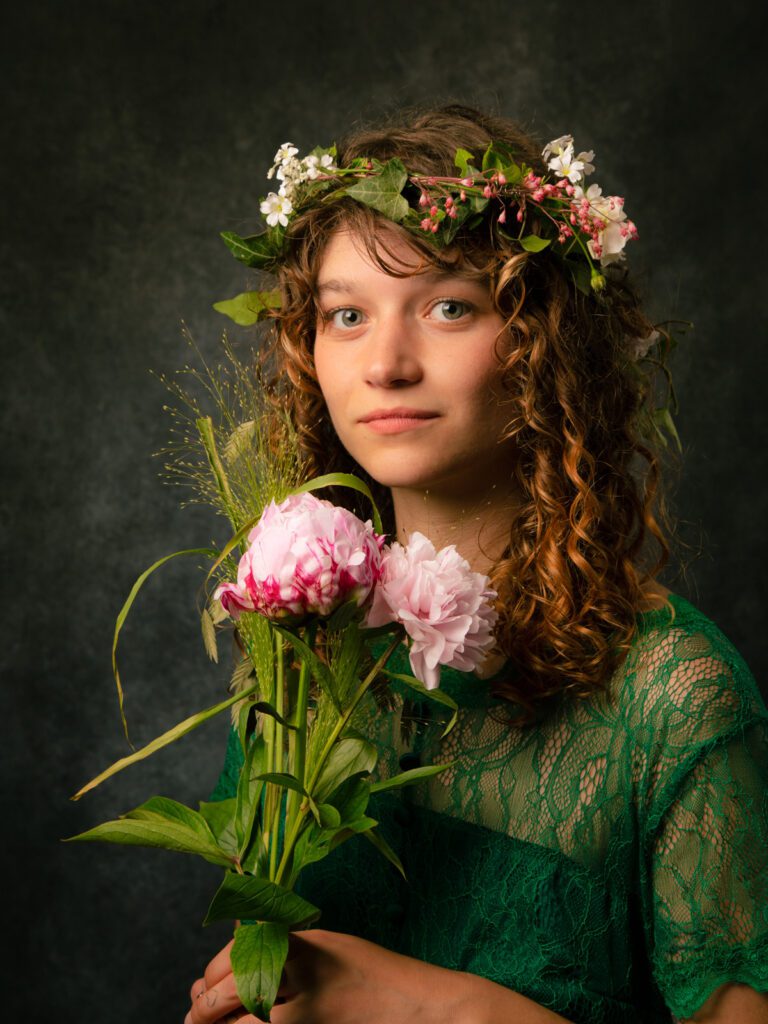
x=444, y=607
x=305, y=556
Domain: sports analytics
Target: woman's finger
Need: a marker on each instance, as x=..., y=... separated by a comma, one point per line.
x=196, y=989
x=219, y=967
x=216, y=1001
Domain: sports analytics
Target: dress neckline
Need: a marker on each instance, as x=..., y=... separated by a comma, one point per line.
x=470, y=690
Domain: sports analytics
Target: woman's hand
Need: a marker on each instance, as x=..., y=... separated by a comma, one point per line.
x=331, y=978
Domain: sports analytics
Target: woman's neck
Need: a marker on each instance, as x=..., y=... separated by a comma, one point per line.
x=479, y=526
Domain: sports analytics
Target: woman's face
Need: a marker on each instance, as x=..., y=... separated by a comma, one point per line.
x=409, y=372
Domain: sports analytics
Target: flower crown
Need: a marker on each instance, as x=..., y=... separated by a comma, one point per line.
x=582, y=227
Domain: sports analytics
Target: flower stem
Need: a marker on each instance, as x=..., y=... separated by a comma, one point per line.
x=337, y=730
x=277, y=752
x=298, y=764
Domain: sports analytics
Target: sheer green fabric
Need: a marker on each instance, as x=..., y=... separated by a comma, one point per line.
x=610, y=863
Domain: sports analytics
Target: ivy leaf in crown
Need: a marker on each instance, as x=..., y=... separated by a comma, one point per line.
x=383, y=192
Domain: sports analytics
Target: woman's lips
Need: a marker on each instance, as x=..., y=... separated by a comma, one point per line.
x=395, y=421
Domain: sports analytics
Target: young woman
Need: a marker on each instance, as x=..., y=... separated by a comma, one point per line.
x=598, y=852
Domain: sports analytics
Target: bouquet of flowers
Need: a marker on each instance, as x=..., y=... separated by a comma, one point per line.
x=318, y=602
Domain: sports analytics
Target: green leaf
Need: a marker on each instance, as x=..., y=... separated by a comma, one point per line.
x=246, y=896
x=284, y=780
x=267, y=709
x=156, y=832
x=248, y=308
x=462, y=161
x=350, y=755
x=162, y=741
x=436, y=695
x=581, y=274
x=410, y=777
x=534, y=243
x=249, y=793
x=258, y=957
x=493, y=160
x=328, y=816
x=351, y=798
x=220, y=816
x=344, y=480
x=662, y=418
x=384, y=848
x=315, y=842
x=513, y=173
x=170, y=810
x=209, y=635
x=450, y=227
x=382, y=192
x=259, y=251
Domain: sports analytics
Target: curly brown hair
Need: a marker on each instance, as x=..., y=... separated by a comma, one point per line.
x=592, y=530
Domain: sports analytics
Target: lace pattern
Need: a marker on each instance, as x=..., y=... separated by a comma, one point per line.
x=610, y=863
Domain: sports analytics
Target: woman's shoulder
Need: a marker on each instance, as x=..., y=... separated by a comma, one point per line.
x=684, y=672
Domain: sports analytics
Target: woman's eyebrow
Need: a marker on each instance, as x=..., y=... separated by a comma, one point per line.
x=429, y=277
x=335, y=285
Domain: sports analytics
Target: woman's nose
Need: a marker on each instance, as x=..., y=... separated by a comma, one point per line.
x=392, y=354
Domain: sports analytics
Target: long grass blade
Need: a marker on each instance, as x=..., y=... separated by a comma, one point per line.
x=344, y=480
x=162, y=741
x=123, y=615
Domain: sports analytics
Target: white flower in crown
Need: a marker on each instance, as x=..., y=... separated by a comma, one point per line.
x=592, y=195
x=586, y=157
x=566, y=165
x=292, y=173
x=557, y=146
x=276, y=209
x=316, y=165
x=286, y=153
x=291, y=170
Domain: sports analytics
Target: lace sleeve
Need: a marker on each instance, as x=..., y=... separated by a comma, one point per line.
x=708, y=833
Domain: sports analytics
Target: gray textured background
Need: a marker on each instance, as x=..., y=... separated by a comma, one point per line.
x=133, y=133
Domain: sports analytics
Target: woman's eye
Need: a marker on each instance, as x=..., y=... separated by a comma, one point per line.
x=345, y=318
x=449, y=309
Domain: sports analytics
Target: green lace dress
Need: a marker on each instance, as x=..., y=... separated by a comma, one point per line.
x=610, y=864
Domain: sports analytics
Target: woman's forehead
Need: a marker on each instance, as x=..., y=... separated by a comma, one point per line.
x=385, y=249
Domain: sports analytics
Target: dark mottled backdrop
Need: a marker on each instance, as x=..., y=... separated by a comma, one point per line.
x=133, y=132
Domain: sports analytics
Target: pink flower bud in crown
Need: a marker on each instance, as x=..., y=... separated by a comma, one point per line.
x=305, y=557
x=444, y=606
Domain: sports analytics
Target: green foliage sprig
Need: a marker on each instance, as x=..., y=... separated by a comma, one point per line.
x=308, y=774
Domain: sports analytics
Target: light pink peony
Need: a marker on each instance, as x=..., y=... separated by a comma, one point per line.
x=443, y=605
x=305, y=556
